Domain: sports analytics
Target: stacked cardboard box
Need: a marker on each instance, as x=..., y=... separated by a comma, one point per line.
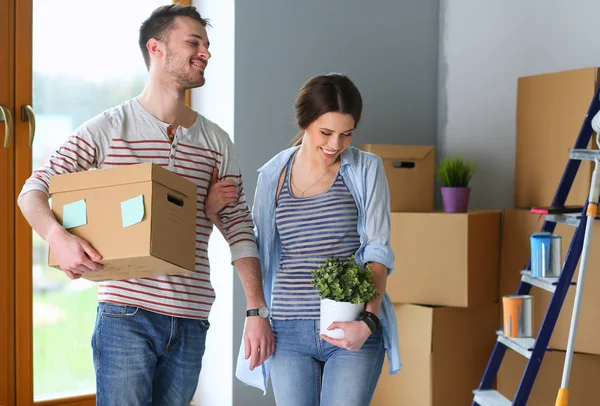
x=550, y=112
x=408, y=168
x=445, y=290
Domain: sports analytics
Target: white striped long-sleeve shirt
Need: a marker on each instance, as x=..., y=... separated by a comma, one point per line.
x=128, y=134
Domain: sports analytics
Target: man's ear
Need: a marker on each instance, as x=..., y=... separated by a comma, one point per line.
x=154, y=48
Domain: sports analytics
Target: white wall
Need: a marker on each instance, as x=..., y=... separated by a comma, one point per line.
x=215, y=101
x=484, y=47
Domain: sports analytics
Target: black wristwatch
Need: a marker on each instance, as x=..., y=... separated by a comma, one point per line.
x=370, y=320
x=262, y=312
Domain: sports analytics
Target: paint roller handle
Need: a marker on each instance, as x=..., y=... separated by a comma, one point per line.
x=563, y=397
x=594, y=194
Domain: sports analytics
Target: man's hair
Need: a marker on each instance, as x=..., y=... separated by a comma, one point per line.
x=160, y=23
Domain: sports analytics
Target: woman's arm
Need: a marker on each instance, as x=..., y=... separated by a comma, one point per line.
x=379, y=279
x=377, y=217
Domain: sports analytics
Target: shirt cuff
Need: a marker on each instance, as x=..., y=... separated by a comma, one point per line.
x=243, y=249
x=33, y=185
x=379, y=253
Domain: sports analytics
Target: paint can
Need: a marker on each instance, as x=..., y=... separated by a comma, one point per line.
x=517, y=316
x=545, y=255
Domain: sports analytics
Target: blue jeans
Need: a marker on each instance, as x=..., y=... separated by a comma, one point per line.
x=308, y=371
x=146, y=358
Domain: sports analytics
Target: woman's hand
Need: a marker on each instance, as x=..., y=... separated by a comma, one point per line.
x=219, y=195
x=355, y=334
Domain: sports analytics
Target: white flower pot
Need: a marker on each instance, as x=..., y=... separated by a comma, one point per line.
x=332, y=311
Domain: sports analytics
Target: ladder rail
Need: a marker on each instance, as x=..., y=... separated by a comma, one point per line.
x=565, y=279
x=547, y=326
x=551, y=316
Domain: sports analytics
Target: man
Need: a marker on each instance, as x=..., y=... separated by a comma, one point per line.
x=150, y=333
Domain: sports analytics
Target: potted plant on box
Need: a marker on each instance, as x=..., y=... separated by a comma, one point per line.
x=344, y=288
x=455, y=173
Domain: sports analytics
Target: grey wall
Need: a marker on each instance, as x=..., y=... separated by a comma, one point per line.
x=484, y=48
x=389, y=48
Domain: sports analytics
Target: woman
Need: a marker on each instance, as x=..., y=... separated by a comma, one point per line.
x=318, y=199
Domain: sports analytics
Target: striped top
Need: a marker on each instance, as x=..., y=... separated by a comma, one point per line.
x=128, y=134
x=311, y=229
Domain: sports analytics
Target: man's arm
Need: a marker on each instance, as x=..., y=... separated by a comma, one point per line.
x=235, y=222
x=35, y=208
x=251, y=277
x=74, y=255
x=79, y=152
x=259, y=340
x=219, y=195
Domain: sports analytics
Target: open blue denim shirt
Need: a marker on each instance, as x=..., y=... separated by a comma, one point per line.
x=365, y=177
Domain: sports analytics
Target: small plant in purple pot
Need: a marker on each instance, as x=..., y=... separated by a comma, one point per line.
x=455, y=173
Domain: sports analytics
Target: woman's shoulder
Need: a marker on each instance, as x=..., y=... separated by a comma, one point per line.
x=362, y=159
x=277, y=161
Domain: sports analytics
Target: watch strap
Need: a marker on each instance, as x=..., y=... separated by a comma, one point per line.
x=371, y=320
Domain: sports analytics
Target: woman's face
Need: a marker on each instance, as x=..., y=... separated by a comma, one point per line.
x=329, y=135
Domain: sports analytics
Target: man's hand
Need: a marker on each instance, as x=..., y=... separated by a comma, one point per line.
x=74, y=255
x=355, y=335
x=219, y=195
x=259, y=341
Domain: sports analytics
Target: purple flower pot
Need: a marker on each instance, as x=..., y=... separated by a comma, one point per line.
x=456, y=199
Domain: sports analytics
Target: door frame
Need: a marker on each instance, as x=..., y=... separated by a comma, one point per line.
x=23, y=246
x=7, y=209
x=18, y=303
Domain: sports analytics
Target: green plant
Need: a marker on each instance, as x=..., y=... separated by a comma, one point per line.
x=455, y=171
x=344, y=281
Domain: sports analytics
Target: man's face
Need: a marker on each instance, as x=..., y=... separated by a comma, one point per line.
x=186, y=51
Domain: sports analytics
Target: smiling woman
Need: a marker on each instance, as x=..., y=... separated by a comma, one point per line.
x=65, y=67
x=326, y=200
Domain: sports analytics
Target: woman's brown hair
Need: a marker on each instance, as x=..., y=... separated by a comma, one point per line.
x=326, y=93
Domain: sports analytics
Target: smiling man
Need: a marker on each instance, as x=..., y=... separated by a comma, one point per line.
x=150, y=333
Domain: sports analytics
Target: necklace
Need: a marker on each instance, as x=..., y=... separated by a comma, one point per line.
x=305, y=190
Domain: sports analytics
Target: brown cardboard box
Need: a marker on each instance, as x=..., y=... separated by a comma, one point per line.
x=444, y=352
x=588, y=329
x=583, y=383
x=518, y=225
x=410, y=172
x=163, y=242
x=445, y=259
x=550, y=112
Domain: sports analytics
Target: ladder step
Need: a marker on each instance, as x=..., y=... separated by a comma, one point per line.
x=548, y=284
x=523, y=346
x=490, y=397
x=569, y=219
x=584, y=154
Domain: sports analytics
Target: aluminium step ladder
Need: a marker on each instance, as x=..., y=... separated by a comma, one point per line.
x=534, y=349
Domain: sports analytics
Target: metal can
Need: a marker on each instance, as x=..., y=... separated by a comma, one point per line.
x=545, y=255
x=518, y=316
